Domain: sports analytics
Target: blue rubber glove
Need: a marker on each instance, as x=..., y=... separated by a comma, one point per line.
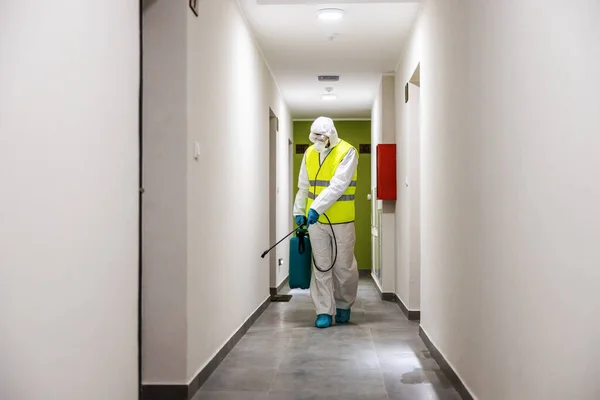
x=300, y=220
x=313, y=217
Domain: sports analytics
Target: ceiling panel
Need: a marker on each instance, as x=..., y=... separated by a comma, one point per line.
x=298, y=47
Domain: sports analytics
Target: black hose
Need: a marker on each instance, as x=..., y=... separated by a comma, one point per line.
x=334, y=244
x=328, y=221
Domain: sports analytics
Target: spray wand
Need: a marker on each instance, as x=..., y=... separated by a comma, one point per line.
x=282, y=239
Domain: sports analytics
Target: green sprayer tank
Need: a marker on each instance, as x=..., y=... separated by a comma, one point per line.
x=300, y=260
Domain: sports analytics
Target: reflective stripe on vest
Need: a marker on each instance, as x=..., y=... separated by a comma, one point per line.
x=326, y=183
x=320, y=175
x=344, y=197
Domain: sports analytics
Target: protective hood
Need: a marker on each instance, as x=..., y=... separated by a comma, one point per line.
x=323, y=134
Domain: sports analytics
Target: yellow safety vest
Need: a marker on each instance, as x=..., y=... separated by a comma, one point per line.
x=319, y=176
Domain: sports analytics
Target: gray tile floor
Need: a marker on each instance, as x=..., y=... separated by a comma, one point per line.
x=379, y=355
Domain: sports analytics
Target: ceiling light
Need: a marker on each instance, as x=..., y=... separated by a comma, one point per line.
x=330, y=14
x=328, y=96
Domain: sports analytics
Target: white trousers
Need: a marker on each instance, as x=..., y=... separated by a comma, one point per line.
x=338, y=287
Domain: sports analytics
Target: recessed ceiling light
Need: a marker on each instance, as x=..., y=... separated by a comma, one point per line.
x=330, y=14
x=328, y=96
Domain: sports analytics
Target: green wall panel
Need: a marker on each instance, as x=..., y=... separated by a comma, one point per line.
x=355, y=133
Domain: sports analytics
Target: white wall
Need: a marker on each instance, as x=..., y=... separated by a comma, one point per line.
x=165, y=199
x=284, y=171
x=69, y=78
x=383, y=131
x=388, y=109
x=402, y=214
x=408, y=232
x=413, y=174
x=206, y=220
x=388, y=207
x=376, y=130
x=510, y=220
x=230, y=91
x=376, y=138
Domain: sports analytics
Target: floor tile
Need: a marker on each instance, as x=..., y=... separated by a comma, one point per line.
x=377, y=356
x=273, y=343
x=400, y=347
x=314, y=381
x=307, y=361
x=398, y=380
x=342, y=382
x=238, y=358
x=228, y=395
x=402, y=331
x=423, y=392
x=254, y=379
x=406, y=362
x=268, y=332
x=311, y=395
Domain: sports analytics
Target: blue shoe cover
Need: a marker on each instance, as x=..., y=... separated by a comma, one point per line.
x=323, y=321
x=342, y=316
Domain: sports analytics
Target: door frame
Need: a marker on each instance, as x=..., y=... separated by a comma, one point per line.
x=273, y=132
x=140, y=190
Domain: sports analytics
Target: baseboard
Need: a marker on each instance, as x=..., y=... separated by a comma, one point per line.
x=364, y=272
x=412, y=315
x=186, y=392
x=445, y=367
x=276, y=290
x=164, y=392
x=385, y=296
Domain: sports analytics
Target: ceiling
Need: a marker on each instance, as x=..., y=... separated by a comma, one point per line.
x=366, y=43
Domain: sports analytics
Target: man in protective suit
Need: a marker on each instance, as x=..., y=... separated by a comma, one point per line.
x=325, y=203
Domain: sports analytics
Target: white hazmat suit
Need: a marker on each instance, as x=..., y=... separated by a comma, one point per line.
x=337, y=288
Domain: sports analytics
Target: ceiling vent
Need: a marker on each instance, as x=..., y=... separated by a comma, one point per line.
x=329, y=78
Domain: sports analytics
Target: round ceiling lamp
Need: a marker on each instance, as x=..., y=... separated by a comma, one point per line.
x=329, y=95
x=330, y=14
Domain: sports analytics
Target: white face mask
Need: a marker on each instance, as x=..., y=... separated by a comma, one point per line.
x=321, y=143
x=320, y=147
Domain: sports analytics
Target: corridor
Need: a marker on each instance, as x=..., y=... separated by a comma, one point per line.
x=152, y=151
x=283, y=357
